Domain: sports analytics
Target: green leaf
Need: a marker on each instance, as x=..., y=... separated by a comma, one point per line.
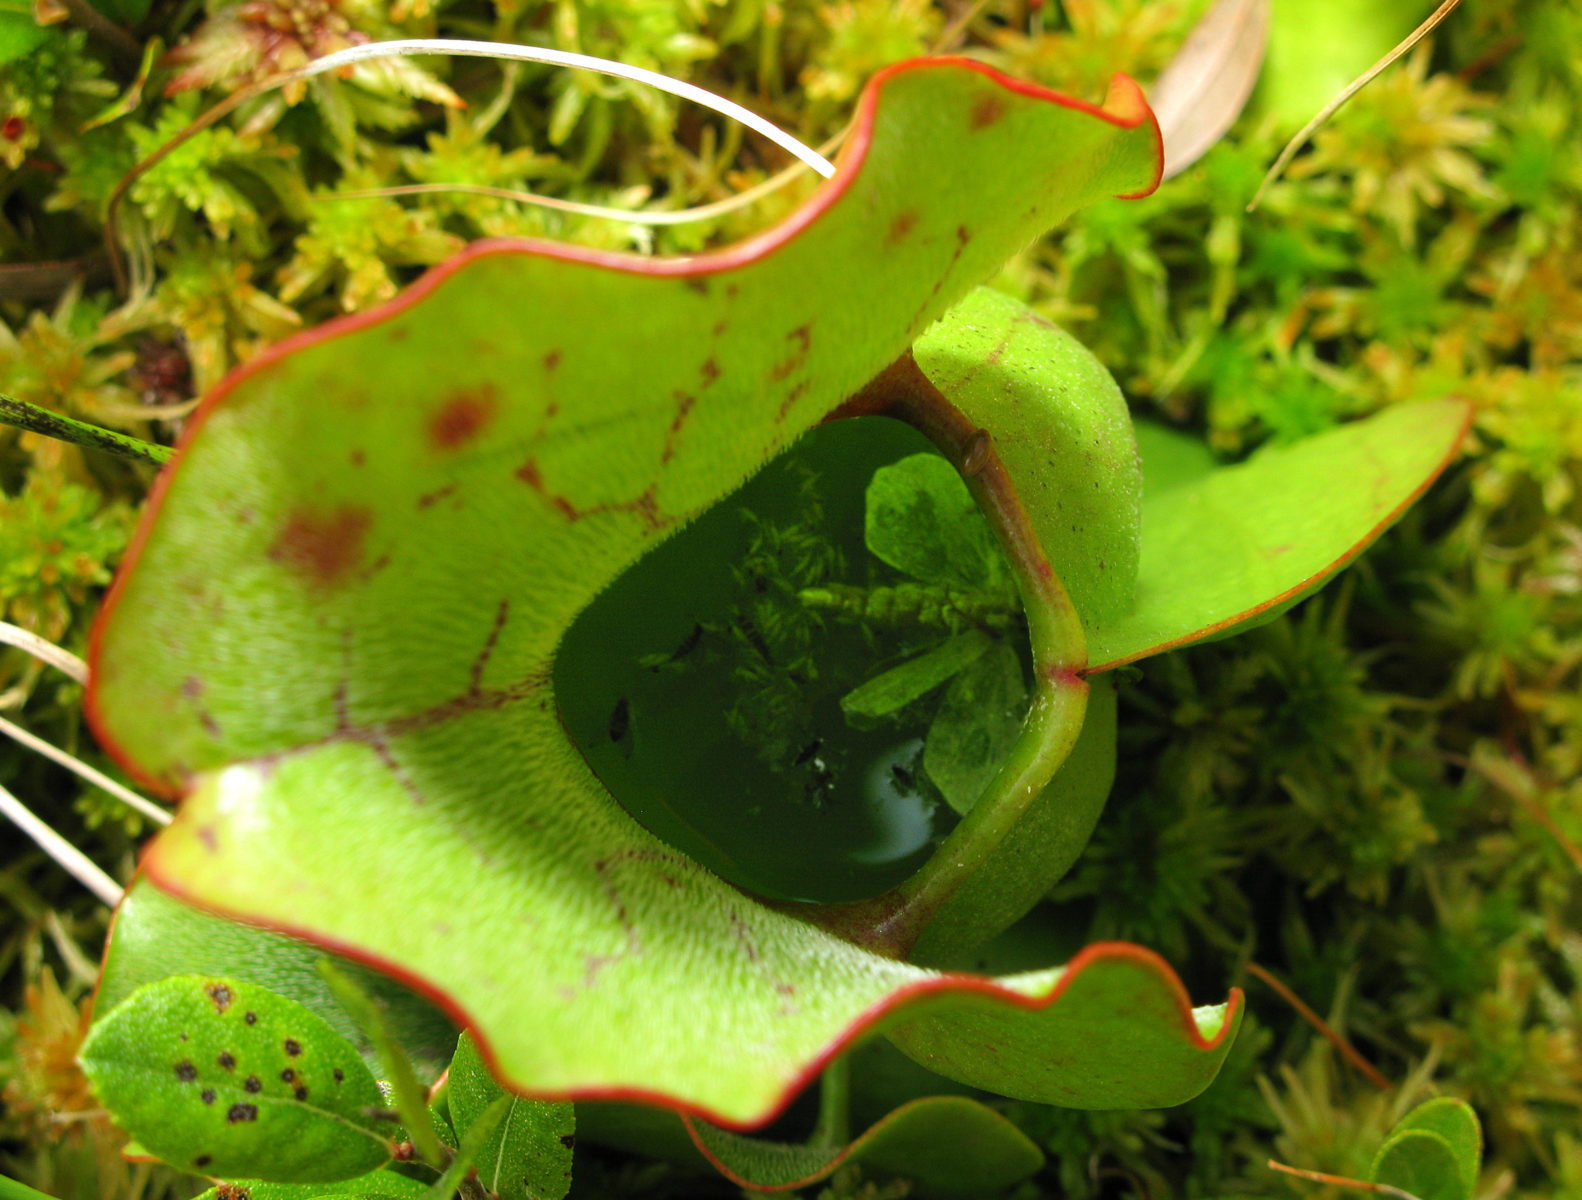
x=1435, y=1152
x=383, y=1184
x=1422, y=1163
x=1227, y=545
x=950, y=1145
x=1056, y=419
x=1043, y=846
x=916, y=677
x=922, y=520
x=1116, y=1033
x=977, y=724
x=335, y=637
x=225, y=1077
x=156, y=936
x=528, y=1157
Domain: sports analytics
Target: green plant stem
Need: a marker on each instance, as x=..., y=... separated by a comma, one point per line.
x=891, y=924
x=834, y=1104
x=40, y=420
x=411, y=1098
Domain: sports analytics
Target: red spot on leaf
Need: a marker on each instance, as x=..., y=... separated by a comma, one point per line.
x=552, y=360
x=13, y=129
x=323, y=548
x=710, y=372
x=900, y=227
x=463, y=417
x=987, y=111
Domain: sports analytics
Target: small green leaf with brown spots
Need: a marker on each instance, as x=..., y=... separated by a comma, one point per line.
x=225, y=1077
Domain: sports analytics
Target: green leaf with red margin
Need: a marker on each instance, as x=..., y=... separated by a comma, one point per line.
x=1226, y=547
x=949, y=1145
x=335, y=634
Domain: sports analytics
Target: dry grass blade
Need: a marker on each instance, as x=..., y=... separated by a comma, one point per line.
x=72, y=860
x=45, y=650
x=1198, y=97
x=1351, y=89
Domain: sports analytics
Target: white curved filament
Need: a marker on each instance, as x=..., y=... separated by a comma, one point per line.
x=75, y=765
x=410, y=47
x=82, y=868
x=47, y=651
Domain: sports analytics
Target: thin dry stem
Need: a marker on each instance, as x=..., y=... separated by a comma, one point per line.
x=467, y=48
x=1361, y=1185
x=44, y=650
x=1350, y=90
x=76, y=864
x=75, y=765
x=1336, y=1039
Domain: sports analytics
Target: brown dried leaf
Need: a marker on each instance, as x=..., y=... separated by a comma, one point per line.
x=1203, y=90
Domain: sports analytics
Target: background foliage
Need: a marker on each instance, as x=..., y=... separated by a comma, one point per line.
x=1377, y=798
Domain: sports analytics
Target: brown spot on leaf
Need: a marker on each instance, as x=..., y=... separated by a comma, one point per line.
x=552, y=360
x=208, y=1095
x=987, y=111
x=698, y=284
x=221, y=994
x=340, y=1075
x=300, y=1091
x=568, y=1140
x=430, y=499
x=293, y=1047
x=227, y=1060
x=464, y=416
x=684, y=402
x=287, y=1075
x=239, y=1113
x=710, y=371
x=251, y=1018
x=252, y=1084
x=202, y=1160
x=900, y=227
x=529, y=474
x=359, y=458
x=323, y=548
x=209, y=838
x=186, y=1072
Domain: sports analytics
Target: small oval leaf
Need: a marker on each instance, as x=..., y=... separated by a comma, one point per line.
x=529, y=1156
x=227, y=1078
x=1422, y=1163
x=1450, y=1120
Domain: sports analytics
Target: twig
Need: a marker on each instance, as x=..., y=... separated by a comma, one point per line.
x=1350, y=90
x=1361, y=1185
x=45, y=650
x=77, y=864
x=40, y=420
x=1333, y=1037
x=75, y=765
